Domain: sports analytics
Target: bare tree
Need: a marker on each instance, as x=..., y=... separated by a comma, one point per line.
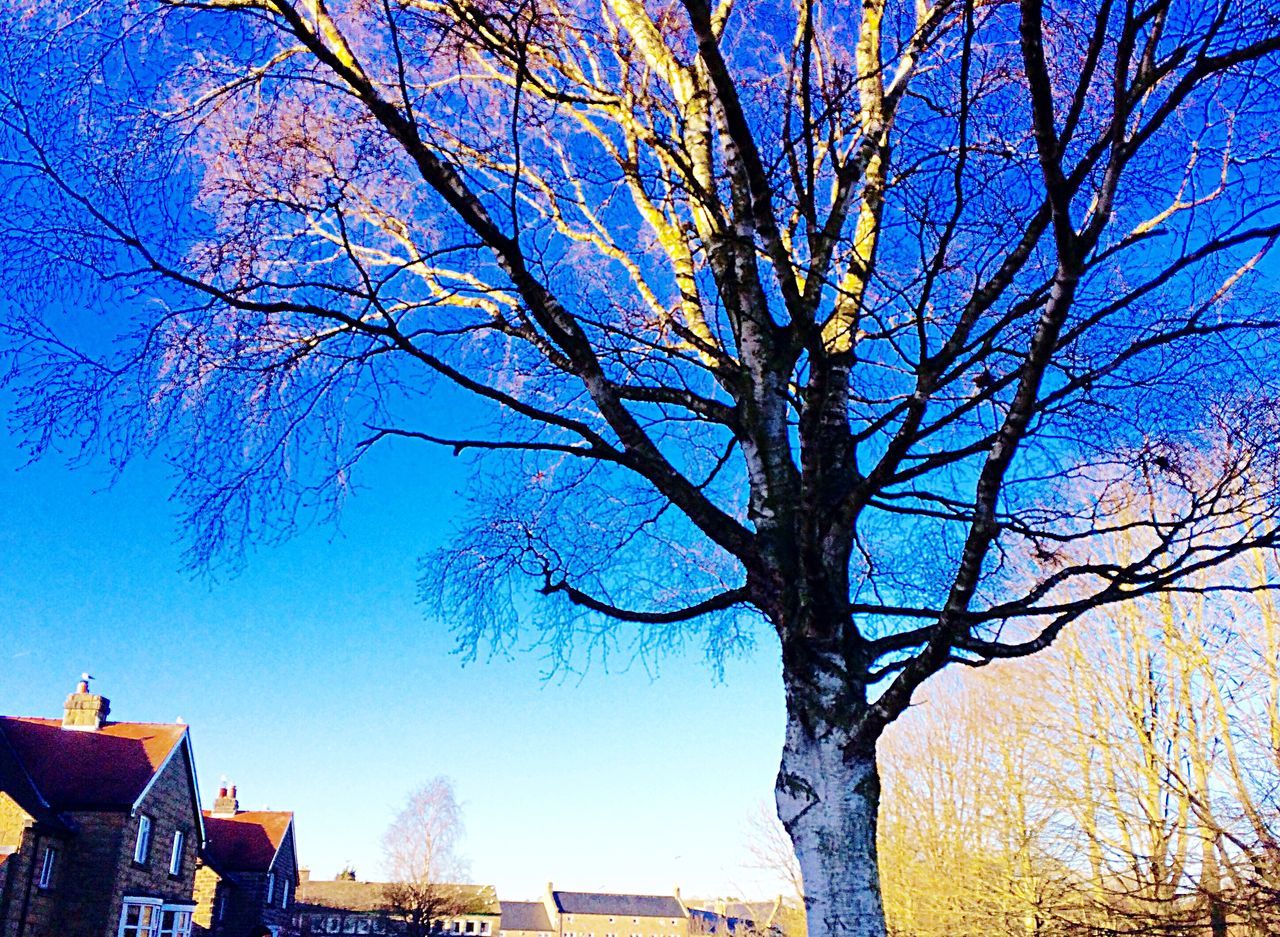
x=771, y=858
x=809, y=313
x=420, y=850
x=1128, y=787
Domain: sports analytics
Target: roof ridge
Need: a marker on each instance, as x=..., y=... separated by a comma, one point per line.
x=54, y=720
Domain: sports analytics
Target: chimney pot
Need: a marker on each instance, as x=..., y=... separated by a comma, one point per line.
x=226, y=804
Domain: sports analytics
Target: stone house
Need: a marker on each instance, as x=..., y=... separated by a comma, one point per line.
x=247, y=877
x=347, y=906
x=525, y=919
x=100, y=825
x=596, y=914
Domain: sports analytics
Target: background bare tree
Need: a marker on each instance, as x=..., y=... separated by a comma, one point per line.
x=420, y=855
x=811, y=313
x=1130, y=787
x=770, y=858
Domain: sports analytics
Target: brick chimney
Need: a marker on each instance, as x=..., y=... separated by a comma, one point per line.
x=83, y=710
x=225, y=804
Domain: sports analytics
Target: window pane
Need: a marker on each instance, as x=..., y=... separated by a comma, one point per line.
x=142, y=847
x=139, y=920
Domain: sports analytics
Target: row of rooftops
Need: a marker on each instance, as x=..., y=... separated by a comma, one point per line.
x=85, y=762
x=716, y=917
x=352, y=895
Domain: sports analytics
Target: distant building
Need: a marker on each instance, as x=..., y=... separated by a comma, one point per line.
x=99, y=825
x=525, y=919
x=722, y=918
x=346, y=906
x=598, y=914
x=248, y=874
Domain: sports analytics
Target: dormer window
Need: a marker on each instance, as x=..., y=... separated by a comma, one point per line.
x=271, y=886
x=142, y=848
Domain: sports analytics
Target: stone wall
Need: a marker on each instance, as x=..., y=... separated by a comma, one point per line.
x=102, y=871
x=26, y=909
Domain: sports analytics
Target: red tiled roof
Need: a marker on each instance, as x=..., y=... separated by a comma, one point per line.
x=90, y=770
x=247, y=842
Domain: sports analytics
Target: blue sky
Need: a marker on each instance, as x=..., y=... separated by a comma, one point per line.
x=314, y=681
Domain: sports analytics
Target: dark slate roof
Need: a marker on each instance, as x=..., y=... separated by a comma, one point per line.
x=246, y=842
x=524, y=915
x=346, y=895
x=587, y=902
x=343, y=895
x=105, y=769
x=15, y=782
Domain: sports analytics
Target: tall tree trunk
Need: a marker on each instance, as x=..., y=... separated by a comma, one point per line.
x=828, y=799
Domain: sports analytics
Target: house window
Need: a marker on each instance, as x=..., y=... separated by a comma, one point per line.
x=144, y=917
x=484, y=927
x=284, y=893
x=471, y=927
x=271, y=886
x=175, y=923
x=142, y=848
x=139, y=919
x=362, y=927
x=332, y=925
x=220, y=905
x=175, y=855
x=46, y=866
x=349, y=925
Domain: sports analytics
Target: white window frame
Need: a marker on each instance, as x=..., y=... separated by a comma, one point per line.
x=175, y=854
x=158, y=910
x=285, y=886
x=46, y=867
x=142, y=845
x=183, y=930
x=271, y=887
x=153, y=927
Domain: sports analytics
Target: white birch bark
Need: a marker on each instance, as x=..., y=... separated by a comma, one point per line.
x=828, y=800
